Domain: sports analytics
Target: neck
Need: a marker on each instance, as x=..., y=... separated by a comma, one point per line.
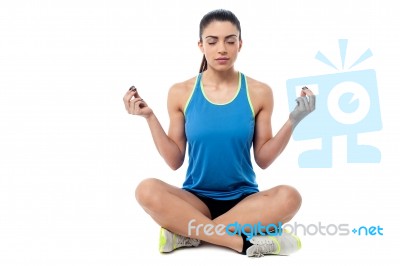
x=219, y=77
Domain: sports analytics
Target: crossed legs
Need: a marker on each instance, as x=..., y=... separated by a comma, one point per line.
x=173, y=208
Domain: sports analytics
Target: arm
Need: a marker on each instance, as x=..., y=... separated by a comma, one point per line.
x=171, y=147
x=267, y=147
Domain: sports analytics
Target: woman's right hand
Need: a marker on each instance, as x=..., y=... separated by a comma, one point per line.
x=135, y=105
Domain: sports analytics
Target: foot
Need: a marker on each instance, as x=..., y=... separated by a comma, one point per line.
x=170, y=241
x=283, y=244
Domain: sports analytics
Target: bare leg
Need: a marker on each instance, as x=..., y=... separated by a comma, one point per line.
x=173, y=208
x=278, y=204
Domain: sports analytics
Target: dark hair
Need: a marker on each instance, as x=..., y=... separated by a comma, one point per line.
x=217, y=15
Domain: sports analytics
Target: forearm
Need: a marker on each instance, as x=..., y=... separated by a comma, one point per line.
x=167, y=148
x=271, y=149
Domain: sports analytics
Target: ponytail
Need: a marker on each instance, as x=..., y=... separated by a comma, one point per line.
x=203, y=66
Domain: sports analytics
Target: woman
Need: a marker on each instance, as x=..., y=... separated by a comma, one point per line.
x=220, y=114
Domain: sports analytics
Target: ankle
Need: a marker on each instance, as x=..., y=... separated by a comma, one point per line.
x=245, y=244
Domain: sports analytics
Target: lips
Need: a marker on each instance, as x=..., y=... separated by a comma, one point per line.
x=222, y=60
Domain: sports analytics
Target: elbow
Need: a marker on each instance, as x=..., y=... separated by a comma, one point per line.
x=175, y=164
x=263, y=163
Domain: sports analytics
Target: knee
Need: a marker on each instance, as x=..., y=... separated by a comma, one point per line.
x=291, y=198
x=147, y=193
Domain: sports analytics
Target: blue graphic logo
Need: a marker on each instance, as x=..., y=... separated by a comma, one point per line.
x=347, y=104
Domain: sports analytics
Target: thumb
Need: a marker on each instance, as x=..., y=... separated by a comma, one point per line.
x=301, y=103
x=135, y=92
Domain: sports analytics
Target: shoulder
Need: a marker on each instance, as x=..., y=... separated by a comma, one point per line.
x=260, y=93
x=183, y=87
x=180, y=92
x=258, y=88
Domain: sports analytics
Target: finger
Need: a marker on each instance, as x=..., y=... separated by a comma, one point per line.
x=142, y=104
x=306, y=91
x=307, y=103
x=302, y=92
x=136, y=105
x=134, y=101
x=308, y=94
x=131, y=105
x=139, y=105
x=127, y=97
x=133, y=89
x=302, y=103
x=307, y=106
x=312, y=102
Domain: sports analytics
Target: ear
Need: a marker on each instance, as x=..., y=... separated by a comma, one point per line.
x=201, y=47
x=240, y=45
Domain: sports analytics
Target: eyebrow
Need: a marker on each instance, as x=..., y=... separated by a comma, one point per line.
x=216, y=37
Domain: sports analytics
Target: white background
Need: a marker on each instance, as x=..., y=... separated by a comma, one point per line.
x=71, y=157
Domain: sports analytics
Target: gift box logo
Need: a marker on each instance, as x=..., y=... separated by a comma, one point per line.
x=347, y=104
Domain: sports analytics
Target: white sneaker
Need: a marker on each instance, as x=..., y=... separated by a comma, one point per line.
x=283, y=244
x=170, y=241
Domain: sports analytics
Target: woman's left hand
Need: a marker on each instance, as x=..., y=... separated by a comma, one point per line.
x=305, y=105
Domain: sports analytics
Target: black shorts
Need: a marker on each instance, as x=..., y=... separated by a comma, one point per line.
x=219, y=207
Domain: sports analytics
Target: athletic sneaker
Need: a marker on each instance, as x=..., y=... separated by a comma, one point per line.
x=170, y=241
x=284, y=244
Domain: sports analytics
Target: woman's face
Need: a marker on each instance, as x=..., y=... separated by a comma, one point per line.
x=220, y=44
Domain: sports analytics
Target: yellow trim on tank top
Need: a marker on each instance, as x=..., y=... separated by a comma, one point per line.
x=248, y=96
x=237, y=92
x=191, y=94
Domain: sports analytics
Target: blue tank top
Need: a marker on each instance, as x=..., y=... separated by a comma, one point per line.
x=219, y=139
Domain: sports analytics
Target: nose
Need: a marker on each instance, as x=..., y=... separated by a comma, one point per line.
x=221, y=47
